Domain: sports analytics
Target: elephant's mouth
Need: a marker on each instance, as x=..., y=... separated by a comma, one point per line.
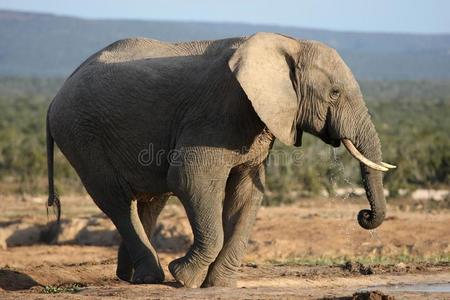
x=333, y=142
x=330, y=141
x=327, y=135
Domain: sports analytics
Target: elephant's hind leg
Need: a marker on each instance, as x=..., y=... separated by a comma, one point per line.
x=149, y=209
x=124, y=270
x=113, y=196
x=243, y=197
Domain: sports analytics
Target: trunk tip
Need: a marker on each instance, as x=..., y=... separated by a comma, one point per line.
x=367, y=219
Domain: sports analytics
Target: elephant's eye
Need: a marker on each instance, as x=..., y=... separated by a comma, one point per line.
x=335, y=93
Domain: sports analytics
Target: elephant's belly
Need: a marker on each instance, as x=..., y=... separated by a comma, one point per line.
x=141, y=160
x=144, y=178
x=149, y=197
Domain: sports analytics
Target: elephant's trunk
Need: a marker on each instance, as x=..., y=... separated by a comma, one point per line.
x=373, y=184
x=368, y=144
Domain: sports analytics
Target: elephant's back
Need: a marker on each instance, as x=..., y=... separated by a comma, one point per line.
x=133, y=49
x=143, y=48
x=146, y=51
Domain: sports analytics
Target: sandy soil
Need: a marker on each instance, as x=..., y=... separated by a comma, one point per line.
x=306, y=250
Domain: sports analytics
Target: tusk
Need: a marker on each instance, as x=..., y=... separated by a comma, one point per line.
x=389, y=166
x=356, y=154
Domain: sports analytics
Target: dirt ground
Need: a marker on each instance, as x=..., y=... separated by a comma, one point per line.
x=313, y=249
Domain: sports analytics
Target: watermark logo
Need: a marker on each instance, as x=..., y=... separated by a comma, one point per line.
x=150, y=156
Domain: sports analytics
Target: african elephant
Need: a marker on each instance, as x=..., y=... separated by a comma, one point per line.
x=209, y=111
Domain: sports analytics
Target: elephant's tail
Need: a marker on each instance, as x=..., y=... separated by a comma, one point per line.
x=53, y=199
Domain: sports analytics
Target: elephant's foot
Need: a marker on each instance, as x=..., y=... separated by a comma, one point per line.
x=214, y=279
x=186, y=273
x=124, y=272
x=146, y=272
x=147, y=279
x=124, y=268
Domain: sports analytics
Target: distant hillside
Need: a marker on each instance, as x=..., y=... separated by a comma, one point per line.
x=44, y=44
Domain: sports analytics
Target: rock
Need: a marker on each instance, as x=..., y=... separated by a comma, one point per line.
x=100, y=234
x=428, y=194
x=400, y=267
x=70, y=229
x=19, y=234
x=79, y=231
x=371, y=295
x=88, y=231
x=172, y=237
x=356, y=267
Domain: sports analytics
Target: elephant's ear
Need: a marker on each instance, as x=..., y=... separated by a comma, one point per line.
x=264, y=65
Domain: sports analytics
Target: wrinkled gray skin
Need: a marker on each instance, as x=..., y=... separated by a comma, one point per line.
x=220, y=105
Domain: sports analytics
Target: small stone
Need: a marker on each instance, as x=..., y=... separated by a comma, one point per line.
x=400, y=266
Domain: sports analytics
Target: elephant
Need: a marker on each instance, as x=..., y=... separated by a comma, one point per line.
x=141, y=120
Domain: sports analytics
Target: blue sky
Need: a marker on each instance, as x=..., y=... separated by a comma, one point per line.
x=423, y=16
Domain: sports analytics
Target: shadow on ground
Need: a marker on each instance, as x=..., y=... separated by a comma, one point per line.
x=14, y=281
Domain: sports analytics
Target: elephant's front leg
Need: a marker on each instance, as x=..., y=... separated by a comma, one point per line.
x=244, y=192
x=202, y=194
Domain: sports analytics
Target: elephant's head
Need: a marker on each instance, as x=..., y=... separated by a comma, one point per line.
x=297, y=86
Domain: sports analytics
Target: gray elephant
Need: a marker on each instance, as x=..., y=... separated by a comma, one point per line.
x=141, y=120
